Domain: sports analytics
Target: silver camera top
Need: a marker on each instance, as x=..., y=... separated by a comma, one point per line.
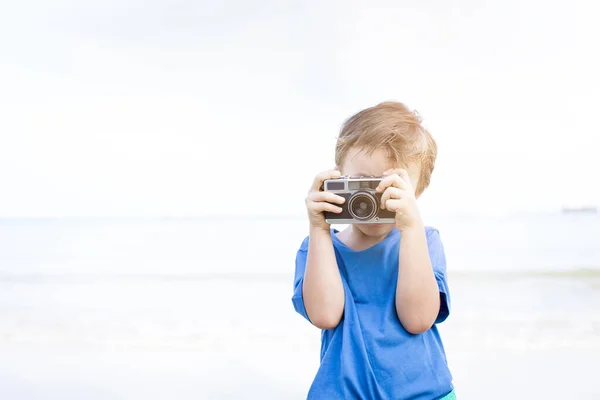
x=347, y=183
x=359, y=177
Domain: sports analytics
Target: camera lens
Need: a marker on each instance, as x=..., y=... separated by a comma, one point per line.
x=362, y=206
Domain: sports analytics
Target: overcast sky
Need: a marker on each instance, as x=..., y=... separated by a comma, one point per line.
x=191, y=107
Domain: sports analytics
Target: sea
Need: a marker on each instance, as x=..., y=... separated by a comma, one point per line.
x=200, y=308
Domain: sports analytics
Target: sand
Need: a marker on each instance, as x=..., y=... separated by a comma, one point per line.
x=518, y=338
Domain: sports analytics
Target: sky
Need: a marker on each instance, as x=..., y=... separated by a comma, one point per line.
x=188, y=108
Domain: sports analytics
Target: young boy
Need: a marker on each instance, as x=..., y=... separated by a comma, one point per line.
x=377, y=291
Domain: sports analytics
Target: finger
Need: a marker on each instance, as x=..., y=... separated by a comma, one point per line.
x=318, y=182
x=404, y=175
x=391, y=193
x=391, y=180
x=395, y=205
x=394, y=171
x=325, y=197
x=321, y=206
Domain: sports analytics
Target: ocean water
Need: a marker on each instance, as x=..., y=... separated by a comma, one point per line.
x=201, y=308
x=256, y=246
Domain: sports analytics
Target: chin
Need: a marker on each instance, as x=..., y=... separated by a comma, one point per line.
x=374, y=230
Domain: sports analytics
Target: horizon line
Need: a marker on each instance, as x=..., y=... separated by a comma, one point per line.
x=562, y=211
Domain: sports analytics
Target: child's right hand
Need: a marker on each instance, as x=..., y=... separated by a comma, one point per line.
x=319, y=201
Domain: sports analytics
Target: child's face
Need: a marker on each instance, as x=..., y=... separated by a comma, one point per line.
x=359, y=163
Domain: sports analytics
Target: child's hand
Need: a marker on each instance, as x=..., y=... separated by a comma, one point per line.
x=399, y=197
x=318, y=201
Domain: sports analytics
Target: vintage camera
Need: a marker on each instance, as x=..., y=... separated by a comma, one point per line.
x=362, y=205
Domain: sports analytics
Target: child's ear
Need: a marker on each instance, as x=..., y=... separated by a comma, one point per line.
x=337, y=168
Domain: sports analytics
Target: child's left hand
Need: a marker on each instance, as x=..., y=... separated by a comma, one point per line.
x=399, y=197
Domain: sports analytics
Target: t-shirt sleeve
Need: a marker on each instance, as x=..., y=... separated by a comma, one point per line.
x=438, y=262
x=297, y=298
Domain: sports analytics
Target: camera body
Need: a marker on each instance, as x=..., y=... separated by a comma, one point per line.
x=362, y=205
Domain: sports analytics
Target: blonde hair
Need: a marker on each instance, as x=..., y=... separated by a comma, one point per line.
x=393, y=127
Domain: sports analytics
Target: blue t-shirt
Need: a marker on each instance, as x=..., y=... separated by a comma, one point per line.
x=369, y=355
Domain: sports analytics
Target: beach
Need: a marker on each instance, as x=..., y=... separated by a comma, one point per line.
x=91, y=310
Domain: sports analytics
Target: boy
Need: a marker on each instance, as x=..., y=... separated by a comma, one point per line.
x=377, y=291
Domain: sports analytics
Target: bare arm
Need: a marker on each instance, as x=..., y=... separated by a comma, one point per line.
x=322, y=288
x=417, y=292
